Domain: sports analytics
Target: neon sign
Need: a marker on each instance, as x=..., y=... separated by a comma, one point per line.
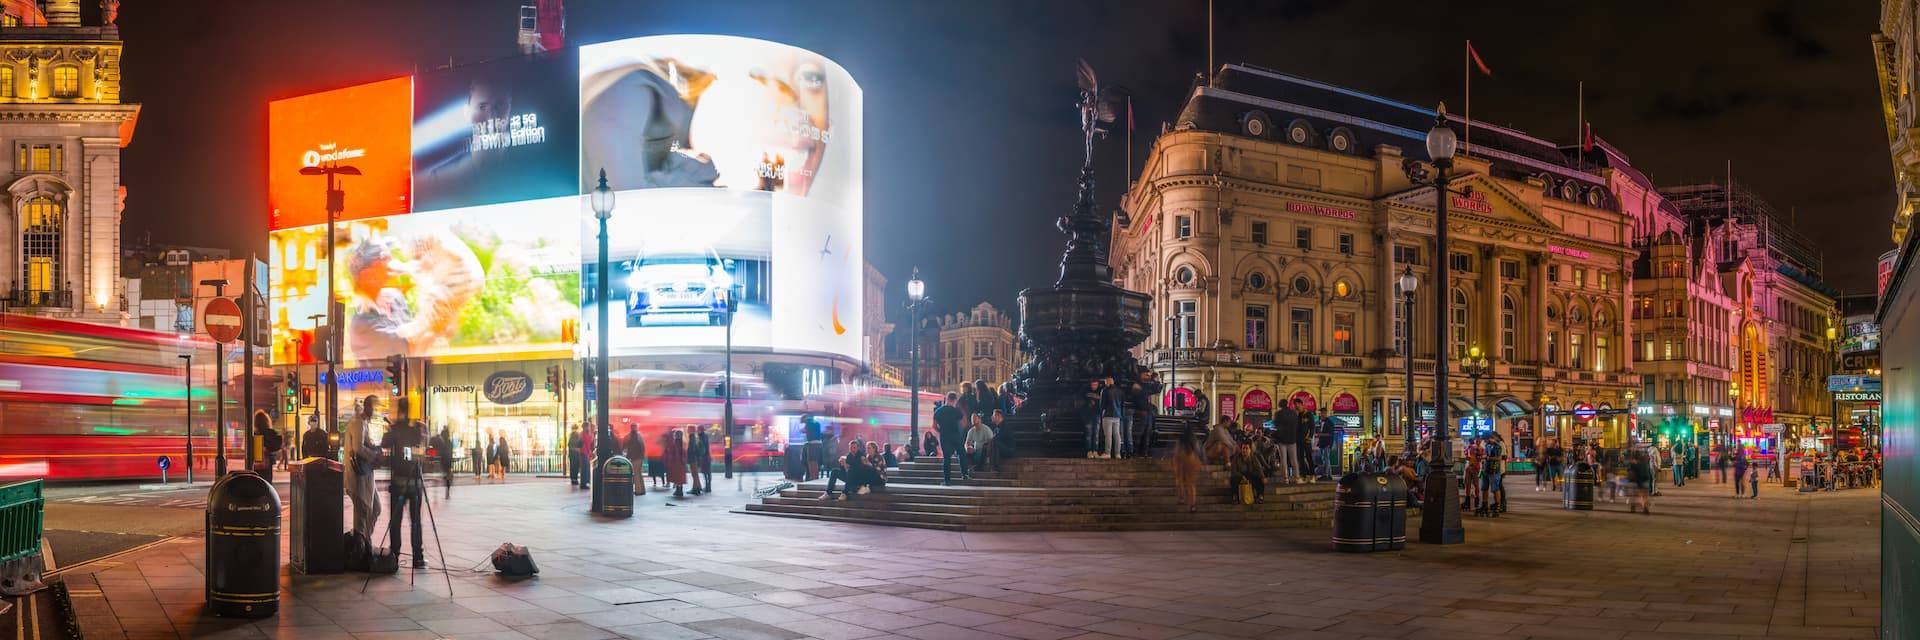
x=1568, y=251
x=1318, y=210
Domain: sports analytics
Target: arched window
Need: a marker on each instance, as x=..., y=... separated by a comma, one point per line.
x=66, y=81
x=40, y=222
x=1508, y=329
x=6, y=82
x=1457, y=323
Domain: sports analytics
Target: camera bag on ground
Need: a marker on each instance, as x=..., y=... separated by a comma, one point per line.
x=359, y=551
x=385, y=562
x=513, y=560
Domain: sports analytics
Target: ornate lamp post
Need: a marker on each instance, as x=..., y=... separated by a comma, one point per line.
x=602, y=200
x=1476, y=366
x=1440, y=517
x=1408, y=283
x=1633, y=410
x=916, y=296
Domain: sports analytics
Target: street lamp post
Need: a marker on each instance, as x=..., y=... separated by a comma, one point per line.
x=1173, y=362
x=187, y=359
x=1408, y=284
x=219, y=391
x=336, y=203
x=602, y=201
x=1440, y=520
x=1476, y=366
x=1633, y=410
x=726, y=418
x=916, y=296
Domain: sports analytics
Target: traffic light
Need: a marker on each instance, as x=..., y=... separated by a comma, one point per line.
x=306, y=395
x=292, y=382
x=396, y=372
x=553, y=377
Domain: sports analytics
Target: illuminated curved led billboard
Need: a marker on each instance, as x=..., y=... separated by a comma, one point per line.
x=737, y=168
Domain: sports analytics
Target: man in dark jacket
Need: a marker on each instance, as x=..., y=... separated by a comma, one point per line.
x=946, y=417
x=1090, y=415
x=1325, y=437
x=1286, y=436
x=634, y=447
x=1144, y=391
x=314, y=444
x=699, y=459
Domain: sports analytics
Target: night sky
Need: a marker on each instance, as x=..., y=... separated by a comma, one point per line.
x=972, y=134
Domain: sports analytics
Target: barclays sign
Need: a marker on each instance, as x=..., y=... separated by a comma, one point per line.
x=507, y=387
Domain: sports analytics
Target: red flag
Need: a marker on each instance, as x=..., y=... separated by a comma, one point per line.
x=1477, y=62
x=1586, y=137
x=1129, y=113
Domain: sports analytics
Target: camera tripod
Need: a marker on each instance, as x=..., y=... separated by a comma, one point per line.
x=433, y=524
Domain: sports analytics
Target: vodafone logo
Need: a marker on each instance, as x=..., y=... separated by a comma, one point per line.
x=329, y=152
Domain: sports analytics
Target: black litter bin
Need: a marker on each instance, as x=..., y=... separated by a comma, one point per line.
x=1579, y=491
x=1370, y=513
x=316, y=543
x=616, y=487
x=243, y=547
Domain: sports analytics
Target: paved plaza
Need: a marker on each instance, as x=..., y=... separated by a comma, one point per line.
x=1703, y=565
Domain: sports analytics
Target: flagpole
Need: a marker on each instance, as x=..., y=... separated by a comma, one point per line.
x=1580, y=123
x=1466, y=69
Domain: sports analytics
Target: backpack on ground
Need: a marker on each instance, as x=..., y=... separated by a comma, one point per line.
x=512, y=560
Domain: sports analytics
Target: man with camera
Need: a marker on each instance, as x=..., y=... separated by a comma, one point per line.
x=405, y=445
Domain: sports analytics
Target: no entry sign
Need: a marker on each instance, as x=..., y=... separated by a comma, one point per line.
x=223, y=320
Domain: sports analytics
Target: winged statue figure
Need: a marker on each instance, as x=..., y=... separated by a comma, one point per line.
x=1096, y=108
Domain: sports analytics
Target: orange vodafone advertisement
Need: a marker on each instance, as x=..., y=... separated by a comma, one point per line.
x=368, y=127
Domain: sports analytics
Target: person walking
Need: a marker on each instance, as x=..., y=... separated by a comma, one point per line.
x=576, y=457
x=1556, y=464
x=947, y=417
x=1740, y=468
x=442, y=445
x=1641, y=477
x=1753, y=484
x=506, y=462
x=634, y=447
x=1286, y=437
x=699, y=459
x=1720, y=463
x=676, y=460
x=360, y=453
x=1187, y=463
x=266, y=443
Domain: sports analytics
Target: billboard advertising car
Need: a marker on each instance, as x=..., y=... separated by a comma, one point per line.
x=498, y=279
x=498, y=131
x=368, y=127
x=736, y=165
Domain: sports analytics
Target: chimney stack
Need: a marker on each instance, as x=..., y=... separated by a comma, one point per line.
x=63, y=13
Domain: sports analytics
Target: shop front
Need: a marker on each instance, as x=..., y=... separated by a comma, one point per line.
x=1256, y=407
x=483, y=402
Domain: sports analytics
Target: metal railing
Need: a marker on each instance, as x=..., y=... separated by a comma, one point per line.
x=20, y=520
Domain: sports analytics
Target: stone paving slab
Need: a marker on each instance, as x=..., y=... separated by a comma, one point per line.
x=1704, y=565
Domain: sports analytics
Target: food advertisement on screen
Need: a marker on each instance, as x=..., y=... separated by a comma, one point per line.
x=498, y=131
x=736, y=167
x=496, y=280
x=367, y=127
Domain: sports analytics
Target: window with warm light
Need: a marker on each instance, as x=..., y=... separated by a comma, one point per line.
x=1509, y=326
x=40, y=234
x=1457, y=323
x=1341, y=289
x=1600, y=353
x=6, y=82
x=1300, y=329
x=40, y=157
x=1343, y=333
x=1553, y=348
x=1185, y=333
x=66, y=81
x=1575, y=356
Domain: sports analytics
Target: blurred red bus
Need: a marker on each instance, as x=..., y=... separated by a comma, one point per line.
x=764, y=422
x=82, y=401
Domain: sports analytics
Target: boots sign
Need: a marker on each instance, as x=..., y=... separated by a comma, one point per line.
x=508, y=387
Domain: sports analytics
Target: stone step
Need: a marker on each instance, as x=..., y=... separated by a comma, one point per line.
x=901, y=494
x=935, y=504
x=1322, y=490
x=860, y=512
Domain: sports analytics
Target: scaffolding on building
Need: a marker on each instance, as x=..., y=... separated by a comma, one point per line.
x=1708, y=204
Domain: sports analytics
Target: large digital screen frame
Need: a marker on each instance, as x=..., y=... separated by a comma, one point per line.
x=499, y=131
x=368, y=127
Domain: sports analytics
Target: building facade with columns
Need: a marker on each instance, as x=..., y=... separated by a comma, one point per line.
x=64, y=125
x=1271, y=221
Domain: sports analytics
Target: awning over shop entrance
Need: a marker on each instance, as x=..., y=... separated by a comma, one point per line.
x=1511, y=407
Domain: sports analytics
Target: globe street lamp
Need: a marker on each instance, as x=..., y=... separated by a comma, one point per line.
x=1476, y=366
x=1408, y=283
x=1440, y=517
x=916, y=296
x=602, y=201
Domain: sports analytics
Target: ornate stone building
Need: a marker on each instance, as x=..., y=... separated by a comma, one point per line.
x=1779, y=348
x=1271, y=221
x=976, y=344
x=61, y=116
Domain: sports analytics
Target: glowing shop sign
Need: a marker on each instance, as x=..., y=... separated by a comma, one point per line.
x=1568, y=251
x=329, y=152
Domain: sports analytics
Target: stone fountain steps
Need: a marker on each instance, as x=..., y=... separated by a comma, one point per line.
x=1057, y=494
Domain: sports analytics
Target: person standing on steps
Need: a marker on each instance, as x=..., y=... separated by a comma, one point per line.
x=1286, y=436
x=1113, y=411
x=1187, y=464
x=1140, y=430
x=947, y=417
x=1090, y=416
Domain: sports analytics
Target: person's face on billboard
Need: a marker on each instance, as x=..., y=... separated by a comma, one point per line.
x=490, y=108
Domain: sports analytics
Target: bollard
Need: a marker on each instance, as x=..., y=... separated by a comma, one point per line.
x=616, y=487
x=243, y=547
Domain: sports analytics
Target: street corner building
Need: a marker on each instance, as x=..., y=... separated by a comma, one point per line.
x=63, y=125
x=1273, y=219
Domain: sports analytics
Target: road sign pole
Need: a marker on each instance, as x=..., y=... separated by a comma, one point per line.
x=223, y=322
